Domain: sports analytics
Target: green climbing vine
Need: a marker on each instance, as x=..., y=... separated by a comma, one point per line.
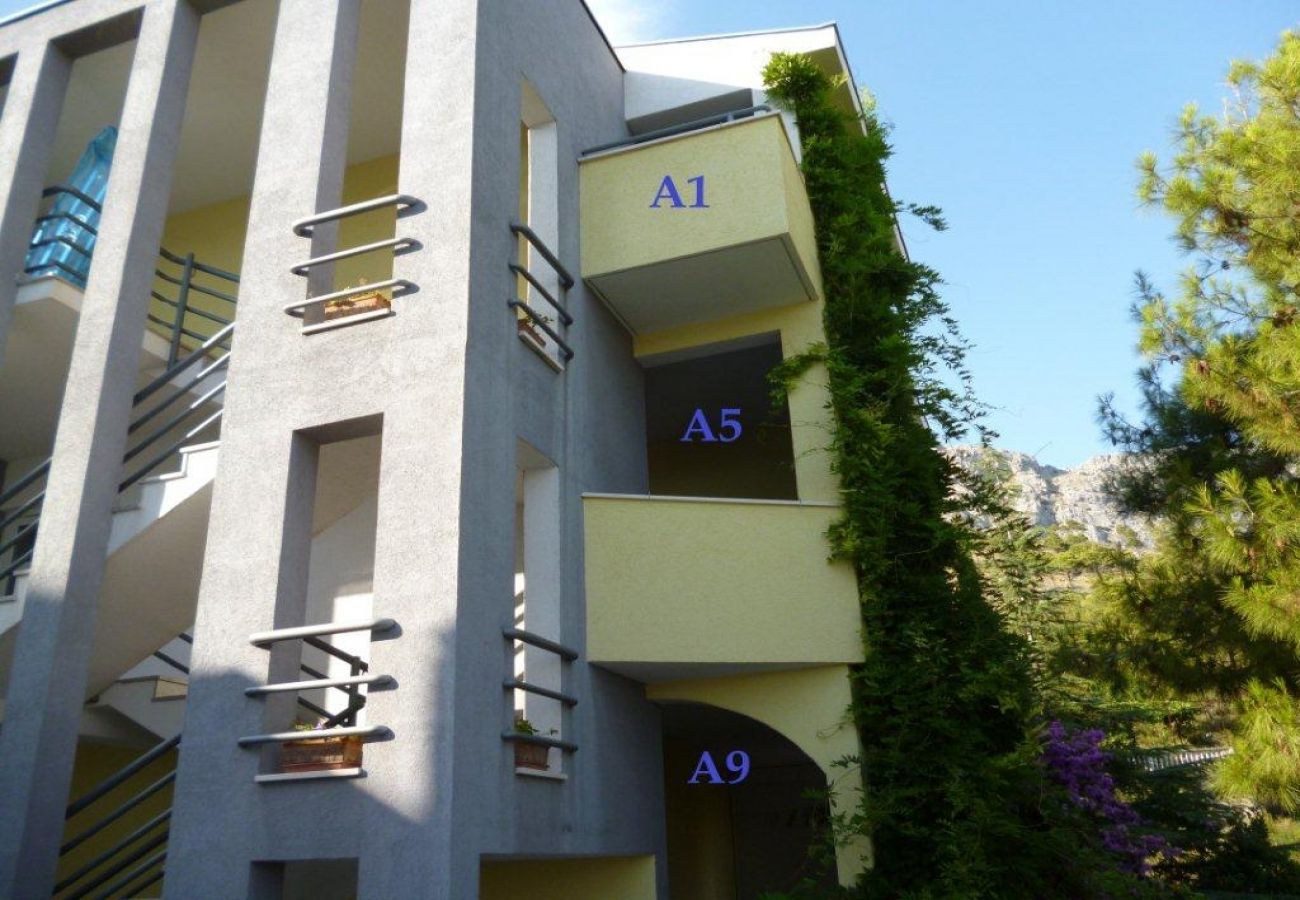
x=956, y=802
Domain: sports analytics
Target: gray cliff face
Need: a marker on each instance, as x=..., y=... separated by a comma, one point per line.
x=1052, y=496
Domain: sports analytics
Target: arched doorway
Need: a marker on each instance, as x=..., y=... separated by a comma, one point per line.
x=734, y=841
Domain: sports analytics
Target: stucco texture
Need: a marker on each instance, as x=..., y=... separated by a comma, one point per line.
x=810, y=708
x=598, y=878
x=734, y=582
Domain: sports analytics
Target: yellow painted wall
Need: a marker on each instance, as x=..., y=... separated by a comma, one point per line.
x=800, y=327
x=94, y=763
x=741, y=162
x=688, y=581
x=215, y=235
x=701, y=862
x=807, y=706
x=591, y=878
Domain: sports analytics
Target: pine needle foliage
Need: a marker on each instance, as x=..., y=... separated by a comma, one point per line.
x=956, y=803
x=1222, y=431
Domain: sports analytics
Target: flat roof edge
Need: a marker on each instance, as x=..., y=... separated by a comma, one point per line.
x=733, y=34
x=31, y=11
x=603, y=36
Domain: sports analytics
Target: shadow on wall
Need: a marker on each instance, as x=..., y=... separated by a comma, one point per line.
x=735, y=841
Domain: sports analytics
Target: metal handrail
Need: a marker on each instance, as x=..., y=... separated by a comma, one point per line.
x=296, y=309
x=175, y=445
x=536, y=318
x=17, y=487
x=173, y=422
x=153, y=844
x=329, y=649
x=291, y=737
x=174, y=663
x=182, y=282
x=117, y=848
x=518, y=634
x=545, y=252
x=181, y=365
x=203, y=267
x=15, y=565
x=120, y=776
x=405, y=203
x=319, y=683
x=180, y=392
x=12, y=517
x=542, y=740
x=265, y=639
x=684, y=128
x=400, y=245
x=541, y=289
x=514, y=684
x=156, y=859
x=117, y=813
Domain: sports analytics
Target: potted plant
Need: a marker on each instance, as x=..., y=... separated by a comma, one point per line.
x=529, y=756
x=322, y=753
x=529, y=330
x=357, y=303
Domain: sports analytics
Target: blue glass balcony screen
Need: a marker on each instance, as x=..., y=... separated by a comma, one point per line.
x=64, y=238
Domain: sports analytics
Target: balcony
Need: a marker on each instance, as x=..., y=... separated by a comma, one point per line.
x=737, y=237
x=685, y=587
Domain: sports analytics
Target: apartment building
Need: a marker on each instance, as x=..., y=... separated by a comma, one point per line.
x=393, y=505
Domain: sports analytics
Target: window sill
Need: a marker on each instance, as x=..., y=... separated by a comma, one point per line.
x=540, y=349
x=277, y=777
x=344, y=321
x=539, y=773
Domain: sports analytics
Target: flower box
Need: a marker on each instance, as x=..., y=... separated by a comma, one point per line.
x=351, y=306
x=317, y=754
x=531, y=756
x=528, y=329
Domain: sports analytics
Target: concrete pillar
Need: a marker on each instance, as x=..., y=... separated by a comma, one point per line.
x=27, y=128
x=258, y=549
x=420, y=560
x=47, y=684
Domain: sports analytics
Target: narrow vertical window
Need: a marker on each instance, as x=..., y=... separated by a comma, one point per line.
x=537, y=282
x=537, y=607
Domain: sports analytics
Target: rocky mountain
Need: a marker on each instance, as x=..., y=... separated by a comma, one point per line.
x=1052, y=496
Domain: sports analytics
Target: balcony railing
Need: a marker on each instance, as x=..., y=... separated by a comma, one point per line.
x=562, y=275
x=404, y=205
x=63, y=244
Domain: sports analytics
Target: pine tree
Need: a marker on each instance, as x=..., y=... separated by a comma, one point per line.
x=1221, y=437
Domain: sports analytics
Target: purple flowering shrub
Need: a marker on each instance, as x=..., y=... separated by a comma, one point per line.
x=1077, y=762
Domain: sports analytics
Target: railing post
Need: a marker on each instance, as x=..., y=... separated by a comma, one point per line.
x=182, y=304
x=353, y=694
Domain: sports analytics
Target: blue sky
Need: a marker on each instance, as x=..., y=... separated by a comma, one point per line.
x=1022, y=120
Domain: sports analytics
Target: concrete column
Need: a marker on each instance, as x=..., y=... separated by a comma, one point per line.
x=47, y=684
x=258, y=548
x=31, y=117
x=422, y=566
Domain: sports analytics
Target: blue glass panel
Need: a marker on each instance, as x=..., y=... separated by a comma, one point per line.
x=63, y=245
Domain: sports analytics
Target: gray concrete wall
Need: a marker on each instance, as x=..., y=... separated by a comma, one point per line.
x=454, y=390
x=48, y=675
x=589, y=421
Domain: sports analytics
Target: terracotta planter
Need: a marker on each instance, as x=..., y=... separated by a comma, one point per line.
x=530, y=756
x=351, y=306
x=319, y=754
x=526, y=327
